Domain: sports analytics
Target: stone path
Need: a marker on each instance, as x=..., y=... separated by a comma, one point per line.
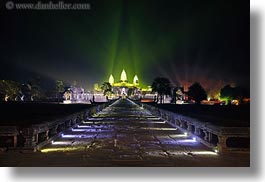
x=124, y=134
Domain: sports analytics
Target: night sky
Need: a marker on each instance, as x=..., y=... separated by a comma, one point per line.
x=185, y=41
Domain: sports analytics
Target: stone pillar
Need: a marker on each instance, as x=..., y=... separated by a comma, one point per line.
x=78, y=120
x=47, y=135
x=178, y=122
x=197, y=131
x=74, y=121
x=222, y=147
x=206, y=135
x=182, y=124
x=67, y=123
x=167, y=117
x=189, y=128
x=30, y=141
x=62, y=126
x=15, y=140
x=52, y=132
x=36, y=138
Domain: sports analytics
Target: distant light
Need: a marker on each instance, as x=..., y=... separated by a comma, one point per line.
x=185, y=133
x=76, y=136
x=67, y=102
x=61, y=142
x=216, y=150
x=194, y=138
x=150, y=128
x=95, y=119
x=153, y=122
x=187, y=141
x=63, y=149
x=154, y=118
x=83, y=126
x=178, y=136
x=99, y=122
x=87, y=130
x=87, y=122
x=235, y=102
x=204, y=153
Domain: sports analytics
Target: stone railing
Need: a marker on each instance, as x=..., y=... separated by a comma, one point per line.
x=38, y=135
x=218, y=138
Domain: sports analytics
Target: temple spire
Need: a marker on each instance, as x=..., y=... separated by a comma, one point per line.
x=111, y=79
x=135, y=80
x=123, y=76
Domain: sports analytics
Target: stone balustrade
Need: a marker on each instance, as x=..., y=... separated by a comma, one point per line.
x=221, y=139
x=38, y=135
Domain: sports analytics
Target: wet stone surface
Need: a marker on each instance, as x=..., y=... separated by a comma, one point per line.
x=123, y=134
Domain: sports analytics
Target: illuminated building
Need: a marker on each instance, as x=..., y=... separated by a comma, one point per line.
x=76, y=95
x=123, y=86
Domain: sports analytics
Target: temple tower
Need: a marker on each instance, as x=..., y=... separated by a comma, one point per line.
x=123, y=76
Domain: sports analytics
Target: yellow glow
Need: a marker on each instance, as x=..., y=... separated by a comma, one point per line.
x=87, y=122
x=235, y=102
x=123, y=84
x=123, y=76
x=6, y=98
x=67, y=102
x=135, y=80
x=148, y=89
x=178, y=136
x=111, y=80
x=62, y=149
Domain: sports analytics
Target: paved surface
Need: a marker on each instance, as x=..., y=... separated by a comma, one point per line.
x=123, y=134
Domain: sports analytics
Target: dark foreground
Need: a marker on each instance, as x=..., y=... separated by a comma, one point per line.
x=221, y=115
x=123, y=135
x=25, y=114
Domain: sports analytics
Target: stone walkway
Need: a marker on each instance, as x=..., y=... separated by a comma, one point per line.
x=124, y=134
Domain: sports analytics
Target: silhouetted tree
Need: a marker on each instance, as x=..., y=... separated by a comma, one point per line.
x=59, y=89
x=231, y=93
x=9, y=90
x=130, y=91
x=228, y=93
x=106, y=87
x=26, y=92
x=162, y=86
x=37, y=92
x=197, y=92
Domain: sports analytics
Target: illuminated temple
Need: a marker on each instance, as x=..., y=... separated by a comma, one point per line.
x=122, y=86
x=123, y=82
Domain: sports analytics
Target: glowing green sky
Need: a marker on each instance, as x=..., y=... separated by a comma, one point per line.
x=186, y=41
